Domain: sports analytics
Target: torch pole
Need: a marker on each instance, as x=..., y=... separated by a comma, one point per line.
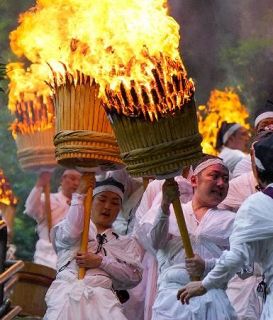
x=145, y=181
x=183, y=229
x=48, y=208
x=87, y=216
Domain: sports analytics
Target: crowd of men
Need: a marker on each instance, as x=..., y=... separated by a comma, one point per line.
x=136, y=265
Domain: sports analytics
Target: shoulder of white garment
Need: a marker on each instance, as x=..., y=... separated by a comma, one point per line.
x=243, y=166
x=253, y=220
x=240, y=189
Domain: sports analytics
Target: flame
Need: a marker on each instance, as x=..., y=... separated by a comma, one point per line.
x=130, y=47
x=29, y=98
x=6, y=195
x=222, y=106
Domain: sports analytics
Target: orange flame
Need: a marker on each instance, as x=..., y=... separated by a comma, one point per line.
x=6, y=195
x=29, y=98
x=123, y=44
x=222, y=106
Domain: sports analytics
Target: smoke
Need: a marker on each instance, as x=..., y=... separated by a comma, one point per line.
x=228, y=43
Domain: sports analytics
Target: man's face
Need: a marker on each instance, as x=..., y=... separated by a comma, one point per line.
x=105, y=208
x=263, y=124
x=211, y=185
x=241, y=139
x=70, y=182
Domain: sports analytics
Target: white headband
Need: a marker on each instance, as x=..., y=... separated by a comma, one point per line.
x=111, y=188
x=206, y=164
x=230, y=132
x=262, y=116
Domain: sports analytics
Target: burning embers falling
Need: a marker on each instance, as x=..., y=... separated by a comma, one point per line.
x=166, y=91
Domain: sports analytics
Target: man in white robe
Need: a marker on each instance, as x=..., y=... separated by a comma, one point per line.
x=209, y=229
x=263, y=122
x=232, y=143
x=243, y=292
x=251, y=239
x=123, y=225
x=112, y=261
x=59, y=203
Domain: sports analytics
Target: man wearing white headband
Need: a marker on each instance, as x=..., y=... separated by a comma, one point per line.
x=209, y=230
x=251, y=239
x=232, y=143
x=112, y=262
x=263, y=122
x=59, y=205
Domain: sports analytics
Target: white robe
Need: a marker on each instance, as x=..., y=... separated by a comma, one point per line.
x=251, y=241
x=209, y=238
x=239, y=190
x=242, y=293
x=231, y=157
x=242, y=166
x=35, y=208
x=93, y=297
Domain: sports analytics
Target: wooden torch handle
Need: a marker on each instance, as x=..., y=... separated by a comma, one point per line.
x=86, y=223
x=183, y=230
x=145, y=181
x=48, y=208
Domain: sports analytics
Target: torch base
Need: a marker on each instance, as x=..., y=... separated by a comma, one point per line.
x=87, y=149
x=161, y=147
x=36, y=150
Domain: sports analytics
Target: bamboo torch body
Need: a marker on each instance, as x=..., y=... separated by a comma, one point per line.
x=48, y=208
x=86, y=223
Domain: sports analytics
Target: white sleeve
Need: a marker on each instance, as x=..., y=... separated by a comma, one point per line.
x=125, y=276
x=148, y=197
x=34, y=206
x=69, y=230
x=226, y=266
x=160, y=230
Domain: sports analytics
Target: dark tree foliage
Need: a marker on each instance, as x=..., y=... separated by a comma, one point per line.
x=228, y=43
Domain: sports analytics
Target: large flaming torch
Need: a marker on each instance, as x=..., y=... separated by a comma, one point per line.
x=144, y=89
x=33, y=128
x=223, y=105
x=84, y=136
x=152, y=111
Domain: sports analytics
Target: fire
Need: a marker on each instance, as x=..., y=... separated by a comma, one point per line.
x=130, y=47
x=222, y=106
x=6, y=195
x=29, y=98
